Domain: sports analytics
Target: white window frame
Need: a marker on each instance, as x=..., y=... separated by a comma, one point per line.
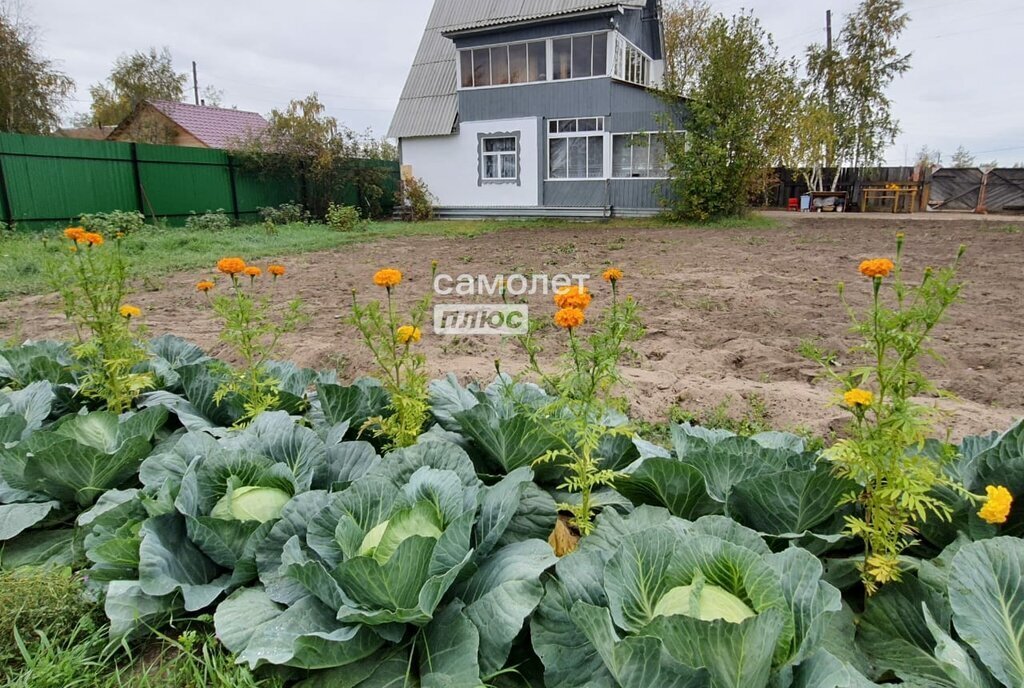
x=497, y=155
x=620, y=57
x=549, y=60
x=650, y=137
x=599, y=133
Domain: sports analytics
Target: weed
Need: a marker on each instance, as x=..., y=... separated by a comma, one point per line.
x=814, y=351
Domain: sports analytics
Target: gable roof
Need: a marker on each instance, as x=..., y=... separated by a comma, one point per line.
x=216, y=127
x=430, y=104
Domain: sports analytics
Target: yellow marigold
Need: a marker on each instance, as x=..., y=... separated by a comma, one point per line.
x=407, y=334
x=997, y=504
x=90, y=238
x=231, y=266
x=387, y=278
x=573, y=297
x=276, y=270
x=858, y=397
x=205, y=286
x=612, y=275
x=74, y=233
x=879, y=267
x=129, y=312
x=253, y=271
x=74, y=249
x=569, y=318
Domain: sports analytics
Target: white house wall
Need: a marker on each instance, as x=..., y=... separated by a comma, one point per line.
x=450, y=165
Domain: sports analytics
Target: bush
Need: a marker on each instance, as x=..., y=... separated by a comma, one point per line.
x=284, y=214
x=343, y=218
x=415, y=201
x=210, y=221
x=34, y=600
x=111, y=223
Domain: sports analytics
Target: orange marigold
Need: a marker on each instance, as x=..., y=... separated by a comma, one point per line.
x=129, y=312
x=205, y=286
x=612, y=275
x=276, y=270
x=879, y=267
x=253, y=271
x=407, y=334
x=91, y=238
x=231, y=266
x=387, y=278
x=74, y=233
x=573, y=297
x=569, y=318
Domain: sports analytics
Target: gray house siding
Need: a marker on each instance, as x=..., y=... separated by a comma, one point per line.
x=630, y=194
x=639, y=27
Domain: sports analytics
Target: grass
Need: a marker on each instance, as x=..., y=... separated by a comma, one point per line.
x=160, y=251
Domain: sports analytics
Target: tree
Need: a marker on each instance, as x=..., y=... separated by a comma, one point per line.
x=33, y=92
x=741, y=117
x=851, y=80
x=685, y=24
x=927, y=157
x=303, y=142
x=963, y=158
x=135, y=78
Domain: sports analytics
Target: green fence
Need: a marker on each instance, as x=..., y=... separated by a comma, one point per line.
x=48, y=181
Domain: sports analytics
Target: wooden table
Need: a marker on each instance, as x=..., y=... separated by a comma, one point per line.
x=890, y=192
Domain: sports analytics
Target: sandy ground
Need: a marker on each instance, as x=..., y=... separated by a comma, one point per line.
x=725, y=310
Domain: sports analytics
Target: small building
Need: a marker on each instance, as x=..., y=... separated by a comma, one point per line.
x=546, y=108
x=181, y=124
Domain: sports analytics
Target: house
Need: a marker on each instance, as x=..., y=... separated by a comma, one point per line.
x=181, y=124
x=85, y=133
x=538, y=107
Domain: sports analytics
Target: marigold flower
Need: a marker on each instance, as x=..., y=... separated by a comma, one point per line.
x=74, y=233
x=573, y=297
x=252, y=271
x=569, y=318
x=407, y=334
x=129, y=312
x=231, y=266
x=858, y=397
x=997, y=504
x=74, y=249
x=387, y=278
x=276, y=270
x=879, y=267
x=205, y=286
x=612, y=275
x=90, y=238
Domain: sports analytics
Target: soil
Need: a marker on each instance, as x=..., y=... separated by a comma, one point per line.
x=725, y=310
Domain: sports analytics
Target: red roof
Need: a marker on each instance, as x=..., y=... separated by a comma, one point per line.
x=216, y=127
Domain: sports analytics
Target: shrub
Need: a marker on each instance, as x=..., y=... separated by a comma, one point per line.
x=343, y=218
x=285, y=214
x=414, y=200
x=112, y=223
x=216, y=221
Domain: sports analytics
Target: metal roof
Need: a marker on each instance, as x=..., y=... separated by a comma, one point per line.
x=429, y=104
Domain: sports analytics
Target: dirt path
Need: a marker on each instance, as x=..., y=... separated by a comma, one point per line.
x=726, y=310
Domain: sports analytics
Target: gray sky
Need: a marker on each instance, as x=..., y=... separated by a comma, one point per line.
x=964, y=88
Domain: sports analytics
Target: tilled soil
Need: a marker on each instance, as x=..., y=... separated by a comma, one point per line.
x=726, y=310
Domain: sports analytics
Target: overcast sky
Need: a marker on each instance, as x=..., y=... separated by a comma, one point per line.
x=965, y=86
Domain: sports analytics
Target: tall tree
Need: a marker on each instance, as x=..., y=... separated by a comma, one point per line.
x=135, y=78
x=686, y=23
x=963, y=158
x=851, y=80
x=33, y=92
x=742, y=108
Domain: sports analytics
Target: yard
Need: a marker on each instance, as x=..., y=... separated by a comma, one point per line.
x=729, y=312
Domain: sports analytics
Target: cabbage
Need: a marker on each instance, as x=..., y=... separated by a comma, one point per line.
x=380, y=543
x=259, y=504
x=705, y=602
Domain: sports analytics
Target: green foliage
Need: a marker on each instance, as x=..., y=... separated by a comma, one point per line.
x=284, y=214
x=343, y=218
x=135, y=78
x=414, y=200
x=110, y=224
x=216, y=221
x=885, y=452
x=93, y=282
x=741, y=111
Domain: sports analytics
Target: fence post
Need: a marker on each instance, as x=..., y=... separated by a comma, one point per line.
x=234, y=188
x=5, y=196
x=137, y=178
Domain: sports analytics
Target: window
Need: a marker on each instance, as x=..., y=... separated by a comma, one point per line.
x=580, y=56
x=499, y=158
x=638, y=156
x=631, y=63
x=576, y=148
x=518, y=63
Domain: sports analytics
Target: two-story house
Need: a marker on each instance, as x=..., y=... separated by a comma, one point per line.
x=538, y=107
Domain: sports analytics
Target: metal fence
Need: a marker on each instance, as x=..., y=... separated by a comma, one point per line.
x=45, y=181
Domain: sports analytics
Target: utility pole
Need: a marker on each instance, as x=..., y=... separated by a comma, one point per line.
x=828, y=29
x=195, y=80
